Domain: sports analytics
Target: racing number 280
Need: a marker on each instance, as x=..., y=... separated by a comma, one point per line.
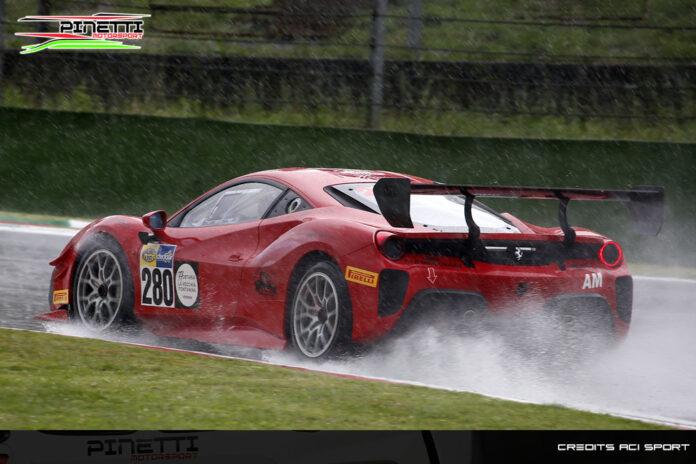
x=159, y=286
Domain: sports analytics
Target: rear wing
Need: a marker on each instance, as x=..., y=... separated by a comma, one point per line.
x=645, y=204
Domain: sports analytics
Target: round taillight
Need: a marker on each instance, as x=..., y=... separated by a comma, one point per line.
x=390, y=245
x=611, y=254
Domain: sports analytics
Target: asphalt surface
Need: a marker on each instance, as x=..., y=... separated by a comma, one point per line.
x=651, y=375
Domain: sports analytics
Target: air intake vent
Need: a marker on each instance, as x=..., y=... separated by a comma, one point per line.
x=392, y=290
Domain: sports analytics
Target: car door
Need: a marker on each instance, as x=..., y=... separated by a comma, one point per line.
x=210, y=245
x=262, y=303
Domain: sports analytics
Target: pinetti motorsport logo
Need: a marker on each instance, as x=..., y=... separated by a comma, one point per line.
x=100, y=31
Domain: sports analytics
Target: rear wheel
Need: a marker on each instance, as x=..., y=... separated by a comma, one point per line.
x=320, y=312
x=102, y=287
x=584, y=329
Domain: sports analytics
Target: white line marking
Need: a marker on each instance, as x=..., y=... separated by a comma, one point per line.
x=665, y=279
x=78, y=224
x=40, y=230
x=654, y=420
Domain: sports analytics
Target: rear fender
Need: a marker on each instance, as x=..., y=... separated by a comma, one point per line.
x=268, y=274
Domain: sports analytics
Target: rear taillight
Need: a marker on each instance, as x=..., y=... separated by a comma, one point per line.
x=611, y=254
x=4, y=459
x=390, y=245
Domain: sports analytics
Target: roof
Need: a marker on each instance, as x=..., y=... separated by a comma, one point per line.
x=310, y=182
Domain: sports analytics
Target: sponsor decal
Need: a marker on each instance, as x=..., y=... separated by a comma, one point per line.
x=186, y=285
x=100, y=31
x=157, y=275
x=165, y=256
x=60, y=297
x=361, y=276
x=592, y=280
x=166, y=448
x=148, y=255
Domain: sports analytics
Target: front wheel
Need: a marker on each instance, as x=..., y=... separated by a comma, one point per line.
x=320, y=314
x=102, y=287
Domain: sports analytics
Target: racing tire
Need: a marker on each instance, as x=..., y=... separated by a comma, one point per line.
x=584, y=331
x=320, y=313
x=102, y=289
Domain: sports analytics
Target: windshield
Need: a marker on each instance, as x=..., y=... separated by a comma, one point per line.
x=440, y=212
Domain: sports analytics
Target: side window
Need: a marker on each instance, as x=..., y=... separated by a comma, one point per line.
x=290, y=203
x=241, y=203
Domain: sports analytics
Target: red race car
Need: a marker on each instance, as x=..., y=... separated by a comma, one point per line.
x=321, y=259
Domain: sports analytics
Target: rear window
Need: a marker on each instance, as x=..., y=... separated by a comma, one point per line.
x=440, y=212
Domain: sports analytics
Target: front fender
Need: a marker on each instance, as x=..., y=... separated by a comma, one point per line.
x=124, y=229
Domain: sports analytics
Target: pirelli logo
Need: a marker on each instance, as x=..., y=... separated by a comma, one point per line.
x=361, y=276
x=60, y=297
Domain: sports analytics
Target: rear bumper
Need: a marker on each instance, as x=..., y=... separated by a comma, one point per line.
x=497, y=290
x=589, y=311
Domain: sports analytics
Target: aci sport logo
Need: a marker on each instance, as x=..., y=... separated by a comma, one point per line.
x=101, y=31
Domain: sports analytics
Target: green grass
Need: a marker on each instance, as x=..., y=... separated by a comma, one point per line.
x=54, y=382
x=426, y=122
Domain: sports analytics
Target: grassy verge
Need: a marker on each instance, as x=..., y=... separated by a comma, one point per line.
x=426, y=122
x=49, y=381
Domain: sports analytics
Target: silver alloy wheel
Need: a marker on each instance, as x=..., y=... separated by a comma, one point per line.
x=471, y=320
x=315, y=314
x=99, y=290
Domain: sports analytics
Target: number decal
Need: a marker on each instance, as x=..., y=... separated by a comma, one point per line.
x=146, y=278
x=168, y=288
x=157, y=286
x=164, y=283
x=157, y=275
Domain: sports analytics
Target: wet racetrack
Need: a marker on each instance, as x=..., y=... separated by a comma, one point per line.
x=651, y=375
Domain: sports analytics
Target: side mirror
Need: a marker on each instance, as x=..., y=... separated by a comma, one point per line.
x=155, y=220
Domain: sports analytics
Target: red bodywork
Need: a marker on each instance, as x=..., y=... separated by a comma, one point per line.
x=232, y=258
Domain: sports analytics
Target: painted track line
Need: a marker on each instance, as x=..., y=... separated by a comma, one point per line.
x=653, y=420
x=35, y=229
x=665, y=279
